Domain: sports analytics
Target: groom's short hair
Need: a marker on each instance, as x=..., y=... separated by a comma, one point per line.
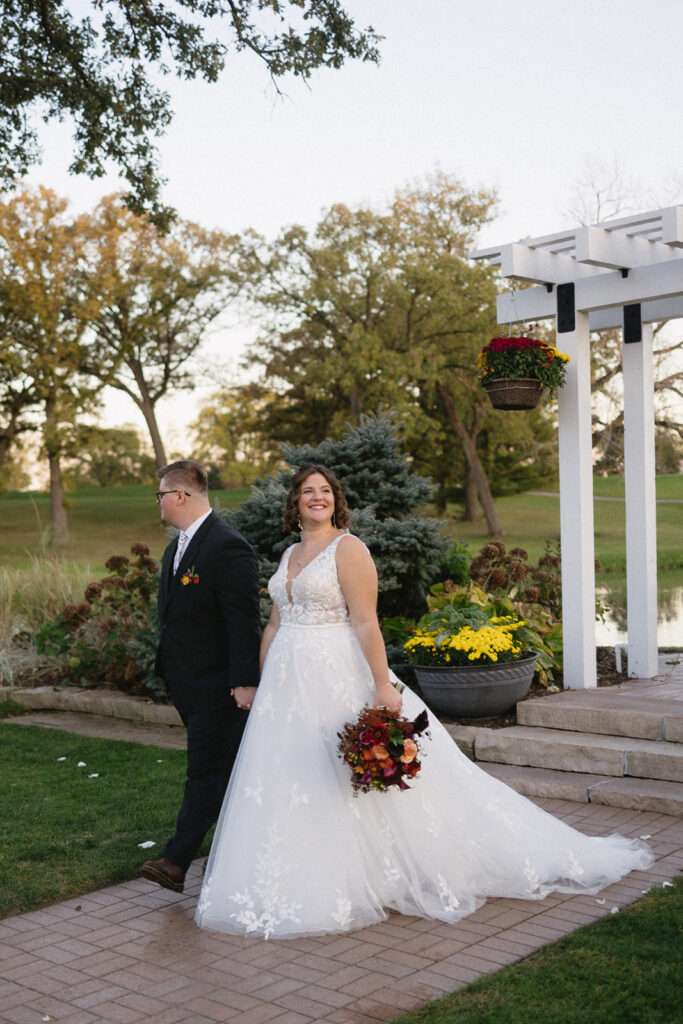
x=185, y=473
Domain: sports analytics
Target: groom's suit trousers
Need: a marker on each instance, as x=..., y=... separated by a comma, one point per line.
x=213, y=739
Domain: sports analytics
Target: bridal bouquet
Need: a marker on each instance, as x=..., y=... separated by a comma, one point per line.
x=381, y=749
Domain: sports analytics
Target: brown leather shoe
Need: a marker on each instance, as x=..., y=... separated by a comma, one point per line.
x=165, y=873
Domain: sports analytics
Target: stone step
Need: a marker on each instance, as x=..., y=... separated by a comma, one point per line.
x=637, y=794
x=604, y=712
x=613, y=756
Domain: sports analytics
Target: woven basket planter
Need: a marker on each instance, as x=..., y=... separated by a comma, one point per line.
x=514, y=392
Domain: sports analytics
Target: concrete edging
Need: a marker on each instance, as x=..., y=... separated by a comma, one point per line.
x=108, y=703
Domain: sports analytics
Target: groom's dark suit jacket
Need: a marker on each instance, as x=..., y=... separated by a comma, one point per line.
x=209, y=629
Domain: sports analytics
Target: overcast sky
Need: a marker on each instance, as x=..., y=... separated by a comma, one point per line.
x=521, y=97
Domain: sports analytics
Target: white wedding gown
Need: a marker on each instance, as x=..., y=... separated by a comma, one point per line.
x=296, y=853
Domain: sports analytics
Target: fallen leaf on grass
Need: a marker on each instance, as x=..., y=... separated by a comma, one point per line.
x=146, y=845
x=94, y=775
x=614, y=910
x=61, y=759
x=81, y=764
x=667, y=885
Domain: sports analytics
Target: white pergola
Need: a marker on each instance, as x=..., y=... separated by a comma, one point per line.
x=625, y=273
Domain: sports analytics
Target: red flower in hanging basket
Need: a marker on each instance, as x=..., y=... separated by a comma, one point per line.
x=522, y=357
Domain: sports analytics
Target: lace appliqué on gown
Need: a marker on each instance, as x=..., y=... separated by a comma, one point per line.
x=316, y=596
x=296, y=854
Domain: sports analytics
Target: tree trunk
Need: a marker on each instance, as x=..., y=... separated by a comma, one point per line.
x=471, y=513
x=145, y=404
x=6, y=439
x=356, y=402
x=493, y=523
x=440, y=499
x=147, y=409
x=15, y=405
x=59, y=525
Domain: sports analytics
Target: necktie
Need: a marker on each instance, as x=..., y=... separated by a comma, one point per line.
x=179, y=550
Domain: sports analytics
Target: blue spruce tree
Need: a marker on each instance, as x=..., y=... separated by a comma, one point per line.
x=383, y=492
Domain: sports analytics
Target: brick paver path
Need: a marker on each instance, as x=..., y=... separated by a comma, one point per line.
x=133, y=953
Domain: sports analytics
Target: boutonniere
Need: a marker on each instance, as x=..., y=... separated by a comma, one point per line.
x=189, y=576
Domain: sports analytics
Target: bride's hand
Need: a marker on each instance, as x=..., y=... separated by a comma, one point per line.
x=387, y=697
x=244, y=696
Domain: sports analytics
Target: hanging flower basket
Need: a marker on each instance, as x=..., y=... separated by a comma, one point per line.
x=514, y=371
x=514, y=392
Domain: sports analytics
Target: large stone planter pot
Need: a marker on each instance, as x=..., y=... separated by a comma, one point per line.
x=476, y=691
x=514, y=392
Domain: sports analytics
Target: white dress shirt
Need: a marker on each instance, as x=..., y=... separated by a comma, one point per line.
x=185, y=537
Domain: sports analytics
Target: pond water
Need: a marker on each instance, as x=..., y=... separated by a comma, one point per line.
x=612, y=592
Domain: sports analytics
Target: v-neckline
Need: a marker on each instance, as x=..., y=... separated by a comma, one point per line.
x=290, y=581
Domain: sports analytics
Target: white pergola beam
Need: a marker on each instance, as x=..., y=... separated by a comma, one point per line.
x=643, y=284
x=672, y=226
x=615, y=249
x=526, y=263
x=660, y=283
x=650, y=313
x=641, y=507
x=527, y=304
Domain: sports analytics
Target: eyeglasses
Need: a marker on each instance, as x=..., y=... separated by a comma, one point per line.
x=178, y=490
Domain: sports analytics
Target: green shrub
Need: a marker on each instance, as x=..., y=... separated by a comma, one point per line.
x=111, y=635
x=458, y=562
x=451, y=606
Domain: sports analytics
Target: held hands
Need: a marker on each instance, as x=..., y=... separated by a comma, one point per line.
x=244, y=696
x=387, y=697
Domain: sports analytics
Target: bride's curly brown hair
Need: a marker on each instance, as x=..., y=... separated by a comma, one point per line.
x=290, y=517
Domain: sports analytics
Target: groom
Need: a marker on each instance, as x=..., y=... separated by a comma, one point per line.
x=208, y=653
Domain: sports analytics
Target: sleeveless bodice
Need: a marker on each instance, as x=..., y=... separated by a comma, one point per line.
x=317, y=597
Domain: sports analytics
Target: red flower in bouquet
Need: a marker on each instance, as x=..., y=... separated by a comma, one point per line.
x=381, y=749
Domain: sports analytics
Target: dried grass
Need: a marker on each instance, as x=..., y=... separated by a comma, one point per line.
x=34, y=595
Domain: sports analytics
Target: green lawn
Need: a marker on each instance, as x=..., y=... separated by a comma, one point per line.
x=64, y=832
x=668, y=486
x=102, y=521
x=529, y=519
x=105, y=520
x=624, y=969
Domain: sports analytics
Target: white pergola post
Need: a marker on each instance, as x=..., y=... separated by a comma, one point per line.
x=576, y=510
x=641, y=509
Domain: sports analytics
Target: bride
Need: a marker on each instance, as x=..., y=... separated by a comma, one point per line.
x=295, y=852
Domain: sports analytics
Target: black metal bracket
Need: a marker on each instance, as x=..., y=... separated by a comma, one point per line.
x=566, y=308
x=633, y=324
x=548, y=286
